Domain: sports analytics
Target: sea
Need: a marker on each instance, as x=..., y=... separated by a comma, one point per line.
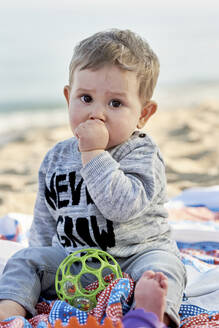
x=37, y=39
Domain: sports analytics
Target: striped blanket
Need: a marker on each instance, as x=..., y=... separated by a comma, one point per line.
x=196, y=230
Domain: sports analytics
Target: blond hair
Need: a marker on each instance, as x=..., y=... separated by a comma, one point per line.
x=123, y=48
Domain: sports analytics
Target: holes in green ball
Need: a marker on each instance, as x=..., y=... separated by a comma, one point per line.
x=83, y=253
x=93, y=263
x=58, y=286
x=107, y=271
x=106, y=259
x=102, y=257
x=60, y=275
x=75, y=268
x=85, y=280
x=65, y=271
x=61, y=296
x=110, y=260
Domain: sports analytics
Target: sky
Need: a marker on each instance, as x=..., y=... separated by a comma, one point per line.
x=192, y=4
x=37, y=39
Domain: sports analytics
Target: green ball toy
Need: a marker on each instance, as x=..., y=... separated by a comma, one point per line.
x=75, y=270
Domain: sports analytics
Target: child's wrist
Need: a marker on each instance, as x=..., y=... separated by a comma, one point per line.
x=86, y=156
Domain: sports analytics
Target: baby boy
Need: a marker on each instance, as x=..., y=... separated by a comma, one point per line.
x=105, y=187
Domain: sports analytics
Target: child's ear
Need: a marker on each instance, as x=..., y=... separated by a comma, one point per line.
x=148, y=110
x=66, y=91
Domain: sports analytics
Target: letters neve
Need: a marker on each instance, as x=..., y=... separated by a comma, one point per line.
x=73, y=232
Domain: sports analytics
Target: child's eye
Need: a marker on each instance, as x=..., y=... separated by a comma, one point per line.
x=86, y=98
x=115, y=103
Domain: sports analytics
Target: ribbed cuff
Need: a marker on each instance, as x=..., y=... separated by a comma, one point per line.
x=98, y=166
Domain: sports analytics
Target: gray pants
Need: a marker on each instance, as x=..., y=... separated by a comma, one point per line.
x=31, y=273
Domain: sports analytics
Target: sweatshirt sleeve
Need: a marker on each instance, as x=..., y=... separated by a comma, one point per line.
x=126, y=189
x=44, y=226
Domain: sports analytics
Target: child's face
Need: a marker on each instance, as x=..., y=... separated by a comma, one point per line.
x=110, y=95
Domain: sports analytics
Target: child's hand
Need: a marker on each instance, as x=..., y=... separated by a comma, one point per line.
x=92, y=135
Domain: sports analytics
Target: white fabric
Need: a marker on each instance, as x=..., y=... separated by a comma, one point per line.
x=191, y=232
x=206, y=196
x=8, y=226
x=7, y=249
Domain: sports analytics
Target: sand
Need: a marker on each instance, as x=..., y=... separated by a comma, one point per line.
x=187, y=137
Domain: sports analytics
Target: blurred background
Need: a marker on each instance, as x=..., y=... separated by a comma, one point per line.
x=37, y=39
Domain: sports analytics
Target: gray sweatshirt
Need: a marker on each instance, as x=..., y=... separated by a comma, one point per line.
x=115, y=202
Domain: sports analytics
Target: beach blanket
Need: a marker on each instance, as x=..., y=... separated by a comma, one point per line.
x=200, y=305
x=113, y=302
x=196, y=230
x=198, y=196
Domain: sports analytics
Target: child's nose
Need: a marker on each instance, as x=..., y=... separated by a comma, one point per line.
x=97, y=112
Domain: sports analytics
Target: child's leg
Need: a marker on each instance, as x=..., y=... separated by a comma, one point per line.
x=167, y=263
x=28, y=273
x=150, y=299
x=10, y=308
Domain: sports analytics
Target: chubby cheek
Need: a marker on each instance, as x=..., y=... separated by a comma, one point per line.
x=75, y=113
x=74, y=121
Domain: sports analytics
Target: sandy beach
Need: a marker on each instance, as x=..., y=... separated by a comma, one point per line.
x=188, y=138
